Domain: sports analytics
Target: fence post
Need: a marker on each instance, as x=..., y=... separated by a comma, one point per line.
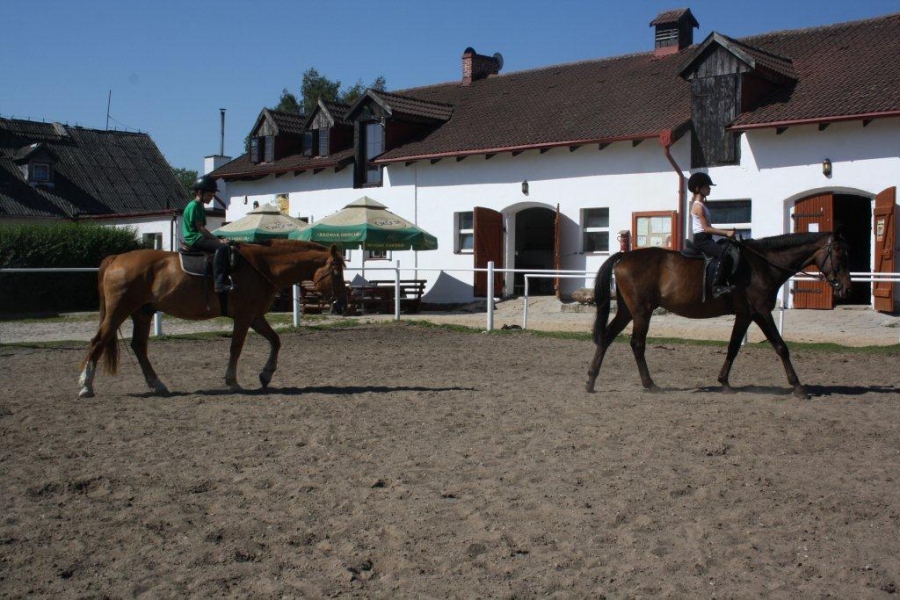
x=525, y=308
x=157, y=323
x=490, y=295
x=295, y=293
x=397, y=292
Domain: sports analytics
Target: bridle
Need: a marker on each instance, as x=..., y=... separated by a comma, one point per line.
x=333, y=272
x=822, y=275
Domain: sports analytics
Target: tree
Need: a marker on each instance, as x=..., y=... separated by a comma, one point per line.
x=315, y=86
x=187, y=177
x=288, y=102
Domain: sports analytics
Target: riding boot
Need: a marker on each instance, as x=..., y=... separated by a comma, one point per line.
x=720, y=286
x=220, y=271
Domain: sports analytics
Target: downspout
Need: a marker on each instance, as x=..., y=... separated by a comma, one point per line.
x=667, y=140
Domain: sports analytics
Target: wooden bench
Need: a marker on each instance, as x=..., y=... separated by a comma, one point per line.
x=411, y=291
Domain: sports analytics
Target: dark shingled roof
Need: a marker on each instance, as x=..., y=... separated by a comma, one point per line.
x=673, y=16
x=241, y=167
x=95, y=173
x=284, y=122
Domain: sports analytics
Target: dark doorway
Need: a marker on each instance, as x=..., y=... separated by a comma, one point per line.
x=534, y=249
x=853, y=216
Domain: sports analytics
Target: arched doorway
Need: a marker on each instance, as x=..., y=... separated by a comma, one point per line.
x=852, y=215
x=534, y=247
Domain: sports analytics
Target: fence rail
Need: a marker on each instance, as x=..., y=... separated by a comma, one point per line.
x=490, y=270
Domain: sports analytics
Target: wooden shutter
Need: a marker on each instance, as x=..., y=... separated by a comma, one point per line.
x=488, y=226
x=885, y=239
x=813, y=214
x=557, y=253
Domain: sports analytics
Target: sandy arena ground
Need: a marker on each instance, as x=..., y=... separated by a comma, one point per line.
x=394, y=460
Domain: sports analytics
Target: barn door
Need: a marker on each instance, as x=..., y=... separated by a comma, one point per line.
x=488, y=226
x=813, y=214
x=557, y=253
x=885, y=237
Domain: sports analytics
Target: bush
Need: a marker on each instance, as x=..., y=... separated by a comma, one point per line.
x=65, y=245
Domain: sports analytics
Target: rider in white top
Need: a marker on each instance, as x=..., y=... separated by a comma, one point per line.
x=699, y=185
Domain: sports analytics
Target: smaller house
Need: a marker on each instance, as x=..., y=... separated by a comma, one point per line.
x=50, y=172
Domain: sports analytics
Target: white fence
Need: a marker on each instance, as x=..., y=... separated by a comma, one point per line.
x=490, y=271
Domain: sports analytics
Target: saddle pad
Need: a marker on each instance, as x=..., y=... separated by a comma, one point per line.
x=194, y=263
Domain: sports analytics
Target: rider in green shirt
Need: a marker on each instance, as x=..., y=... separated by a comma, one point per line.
x=198, y=238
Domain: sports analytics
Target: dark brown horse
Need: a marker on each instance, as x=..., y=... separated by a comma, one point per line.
x=653, y=277
x=137, y=284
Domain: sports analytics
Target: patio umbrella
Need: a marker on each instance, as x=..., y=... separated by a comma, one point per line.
x=368, y=224
x=263, y=223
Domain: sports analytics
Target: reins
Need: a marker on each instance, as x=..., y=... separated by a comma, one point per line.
x=820, y=275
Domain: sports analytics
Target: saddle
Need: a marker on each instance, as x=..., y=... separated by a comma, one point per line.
x=711, y=262
x=195, y=263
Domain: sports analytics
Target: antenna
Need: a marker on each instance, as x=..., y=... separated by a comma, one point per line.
x=222, y=138
x=108, y=102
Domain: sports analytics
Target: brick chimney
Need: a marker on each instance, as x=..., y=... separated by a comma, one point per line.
x=674, y=31
x=478, y=66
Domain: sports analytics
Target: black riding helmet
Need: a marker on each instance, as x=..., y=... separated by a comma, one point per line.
x=205, y=183
x=697, y=181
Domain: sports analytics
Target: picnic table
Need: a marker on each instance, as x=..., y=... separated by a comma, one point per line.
x=376, y=296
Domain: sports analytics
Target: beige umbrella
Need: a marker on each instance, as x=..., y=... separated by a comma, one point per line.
x=263, y=223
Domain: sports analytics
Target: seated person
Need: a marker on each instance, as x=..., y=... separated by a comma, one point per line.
x=198, y=238
x=699, y=185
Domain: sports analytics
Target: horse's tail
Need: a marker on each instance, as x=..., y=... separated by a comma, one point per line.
x=602, y=296
x=107, y=346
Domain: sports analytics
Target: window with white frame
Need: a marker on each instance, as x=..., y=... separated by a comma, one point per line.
x=595, y=230
x=731, y=214
x=152, y=240
x=378, y=255
x=464, y=232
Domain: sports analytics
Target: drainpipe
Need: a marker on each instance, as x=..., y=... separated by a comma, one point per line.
x=667, y=140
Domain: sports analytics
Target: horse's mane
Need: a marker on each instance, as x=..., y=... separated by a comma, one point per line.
x=289, y=244
x=785, y=240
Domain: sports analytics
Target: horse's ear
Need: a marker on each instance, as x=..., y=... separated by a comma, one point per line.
x=335, y=252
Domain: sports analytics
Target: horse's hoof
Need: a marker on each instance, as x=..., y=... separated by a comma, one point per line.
x=264, y=380
x=235, y=388
x=727, y=389
x=589, y=387
x=800, y=393
x=653, y=389
x=86, y=393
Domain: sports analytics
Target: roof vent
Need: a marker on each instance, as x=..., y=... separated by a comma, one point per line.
x=674, y=31
x=478, y=66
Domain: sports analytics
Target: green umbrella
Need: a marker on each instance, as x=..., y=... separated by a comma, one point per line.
x=263, y=223
x=368, y=224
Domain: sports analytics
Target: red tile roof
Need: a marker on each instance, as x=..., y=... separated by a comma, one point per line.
x=241, y=167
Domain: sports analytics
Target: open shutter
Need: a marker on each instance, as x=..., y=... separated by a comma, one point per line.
x=885, y=239
x=813, y=214
x=557, y=253
x=488, y=226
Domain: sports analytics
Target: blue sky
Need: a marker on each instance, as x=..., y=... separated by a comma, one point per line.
x=172, y=64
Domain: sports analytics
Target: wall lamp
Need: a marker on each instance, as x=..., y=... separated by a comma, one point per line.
x=826, y=167
x=525, y=187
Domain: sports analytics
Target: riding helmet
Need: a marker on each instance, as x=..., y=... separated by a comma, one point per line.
x=697, y=181
x=205, y=183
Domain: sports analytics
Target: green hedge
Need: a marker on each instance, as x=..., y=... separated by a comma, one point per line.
x=56, y=246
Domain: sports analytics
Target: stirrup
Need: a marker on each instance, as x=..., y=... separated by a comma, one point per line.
x=221, y=288
x=721, y=290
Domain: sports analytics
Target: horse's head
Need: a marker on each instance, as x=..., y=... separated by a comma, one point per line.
x=833, y=260
x=329, y=279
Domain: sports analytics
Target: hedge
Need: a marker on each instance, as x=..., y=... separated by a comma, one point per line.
x=64, y=245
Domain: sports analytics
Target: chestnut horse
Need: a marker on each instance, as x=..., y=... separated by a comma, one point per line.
x=654, y=277
x=138, y=283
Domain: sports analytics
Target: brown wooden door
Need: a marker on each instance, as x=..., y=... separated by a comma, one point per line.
x=815, y=213
x=557, y=252
x=885, y=238
x=488, y=226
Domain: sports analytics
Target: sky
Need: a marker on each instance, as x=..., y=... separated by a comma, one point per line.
x=167, y=67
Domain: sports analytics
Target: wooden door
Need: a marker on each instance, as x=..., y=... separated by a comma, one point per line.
x=488, y=226
x=813, y=214
x=557, y=253
x=885, y=238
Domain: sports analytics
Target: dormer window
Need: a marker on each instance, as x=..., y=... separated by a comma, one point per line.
x=39, y=172
x=323, y=141
x=310, y=142
x=374, y=145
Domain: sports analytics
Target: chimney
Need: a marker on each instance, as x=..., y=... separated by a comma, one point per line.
x=674, y=31
x=478, y=66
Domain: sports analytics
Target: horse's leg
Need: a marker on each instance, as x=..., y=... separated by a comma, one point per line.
x=615, y=327
x=142, y=321
x=741, y=323
x=767, y=324
x=103, y=341
x=262, y=327
x=639, y=345
x=238, y=336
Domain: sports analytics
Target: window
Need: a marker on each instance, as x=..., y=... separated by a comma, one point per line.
x=310, y=142
x=323, y=141
x=378, y=255
x=374, y=146
x=464, y=232
x=152, y=240
x=595, y=230
x=731, y=214
x=254, y=150
x=40, y=172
